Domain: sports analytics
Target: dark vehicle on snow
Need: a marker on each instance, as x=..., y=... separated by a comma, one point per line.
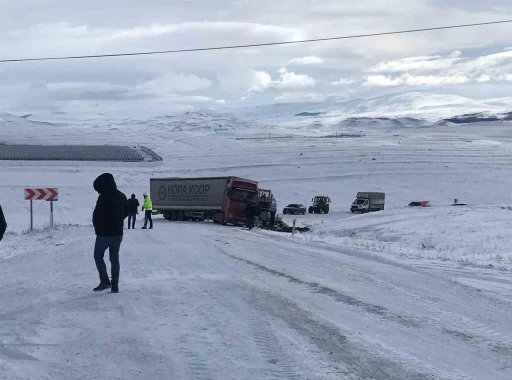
x=295, y=209
x=320, y=205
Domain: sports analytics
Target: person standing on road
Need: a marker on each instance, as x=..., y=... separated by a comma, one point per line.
x=108, y=219
x=249, y=215
x=133, y=210
x=148, y=208
x=256, y=212
x=273, y=211
x=3, y=224
x=265, y=218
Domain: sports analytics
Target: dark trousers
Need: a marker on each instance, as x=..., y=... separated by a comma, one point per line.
x=250, y=222
x=131, y=220
x=113, y=243
x=148, y=217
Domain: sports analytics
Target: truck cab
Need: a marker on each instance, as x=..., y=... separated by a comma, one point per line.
x=265, y=199
x=239, y=192
x=360, y=205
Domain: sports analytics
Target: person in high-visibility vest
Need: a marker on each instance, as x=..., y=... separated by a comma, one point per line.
x=148, y=208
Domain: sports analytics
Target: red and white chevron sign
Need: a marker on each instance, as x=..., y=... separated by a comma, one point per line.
x=41, y=194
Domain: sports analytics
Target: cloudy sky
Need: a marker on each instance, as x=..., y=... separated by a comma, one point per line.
x=474, y=62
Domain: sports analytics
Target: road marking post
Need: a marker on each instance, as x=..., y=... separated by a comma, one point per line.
x=293, y=228
x=51, y=213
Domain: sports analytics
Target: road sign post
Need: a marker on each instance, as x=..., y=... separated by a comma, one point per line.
x=31, y=216
x=51, y=213
x=41, y=194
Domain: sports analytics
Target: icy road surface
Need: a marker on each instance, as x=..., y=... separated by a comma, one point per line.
x=212, y=302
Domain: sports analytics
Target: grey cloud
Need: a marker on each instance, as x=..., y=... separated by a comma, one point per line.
x=475, y=5
x=114, y=13
x=31, y=28
x=111, y=71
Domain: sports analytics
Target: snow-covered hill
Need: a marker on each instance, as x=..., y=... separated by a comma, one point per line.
x=427, y=107
x=390, y=112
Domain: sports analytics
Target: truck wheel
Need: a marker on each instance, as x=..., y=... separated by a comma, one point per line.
x=310, y=210
x=181, y=216
x=166, y=215
x=174, y=216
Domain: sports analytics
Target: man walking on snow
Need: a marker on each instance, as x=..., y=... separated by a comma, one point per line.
x=249, y=215
x=148, y=208
x=3, y=224
x=133, y=207
x=108, y=219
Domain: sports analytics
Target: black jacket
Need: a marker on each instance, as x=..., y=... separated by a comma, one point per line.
x=3, y=224
x=249, y=210
x=111, y=208
x=133, y=206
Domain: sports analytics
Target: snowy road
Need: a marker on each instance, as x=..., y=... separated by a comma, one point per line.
x=212, y=302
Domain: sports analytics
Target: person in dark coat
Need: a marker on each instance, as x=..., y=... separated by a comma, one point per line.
x=108, y=219
x=273, y=211
x=256, y=212
x=3, y=224
x=133, y=207
x=249, y=215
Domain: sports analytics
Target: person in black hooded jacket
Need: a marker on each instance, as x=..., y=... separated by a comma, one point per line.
x=108, y=220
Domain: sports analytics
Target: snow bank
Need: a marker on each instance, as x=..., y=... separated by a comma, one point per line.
x=473, y=235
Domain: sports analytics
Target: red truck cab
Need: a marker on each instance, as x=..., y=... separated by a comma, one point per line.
x=237, y=193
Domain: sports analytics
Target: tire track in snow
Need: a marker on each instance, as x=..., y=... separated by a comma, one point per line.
x=203, y=341
x=438, y=316
x=351, y=361
x=462, y=326
x=193, y=363
x=278, y=365
x=348, y=300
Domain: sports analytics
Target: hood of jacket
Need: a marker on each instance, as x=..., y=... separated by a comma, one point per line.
x=105, y=183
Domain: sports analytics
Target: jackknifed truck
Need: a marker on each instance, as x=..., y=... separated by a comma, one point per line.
x=220, y=199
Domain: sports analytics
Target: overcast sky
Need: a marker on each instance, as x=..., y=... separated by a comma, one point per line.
x=474, y=62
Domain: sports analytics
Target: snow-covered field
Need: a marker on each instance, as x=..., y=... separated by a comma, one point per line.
x=401, y=294
x=477, y=235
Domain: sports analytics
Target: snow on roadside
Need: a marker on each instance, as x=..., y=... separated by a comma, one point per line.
x=476, y=235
